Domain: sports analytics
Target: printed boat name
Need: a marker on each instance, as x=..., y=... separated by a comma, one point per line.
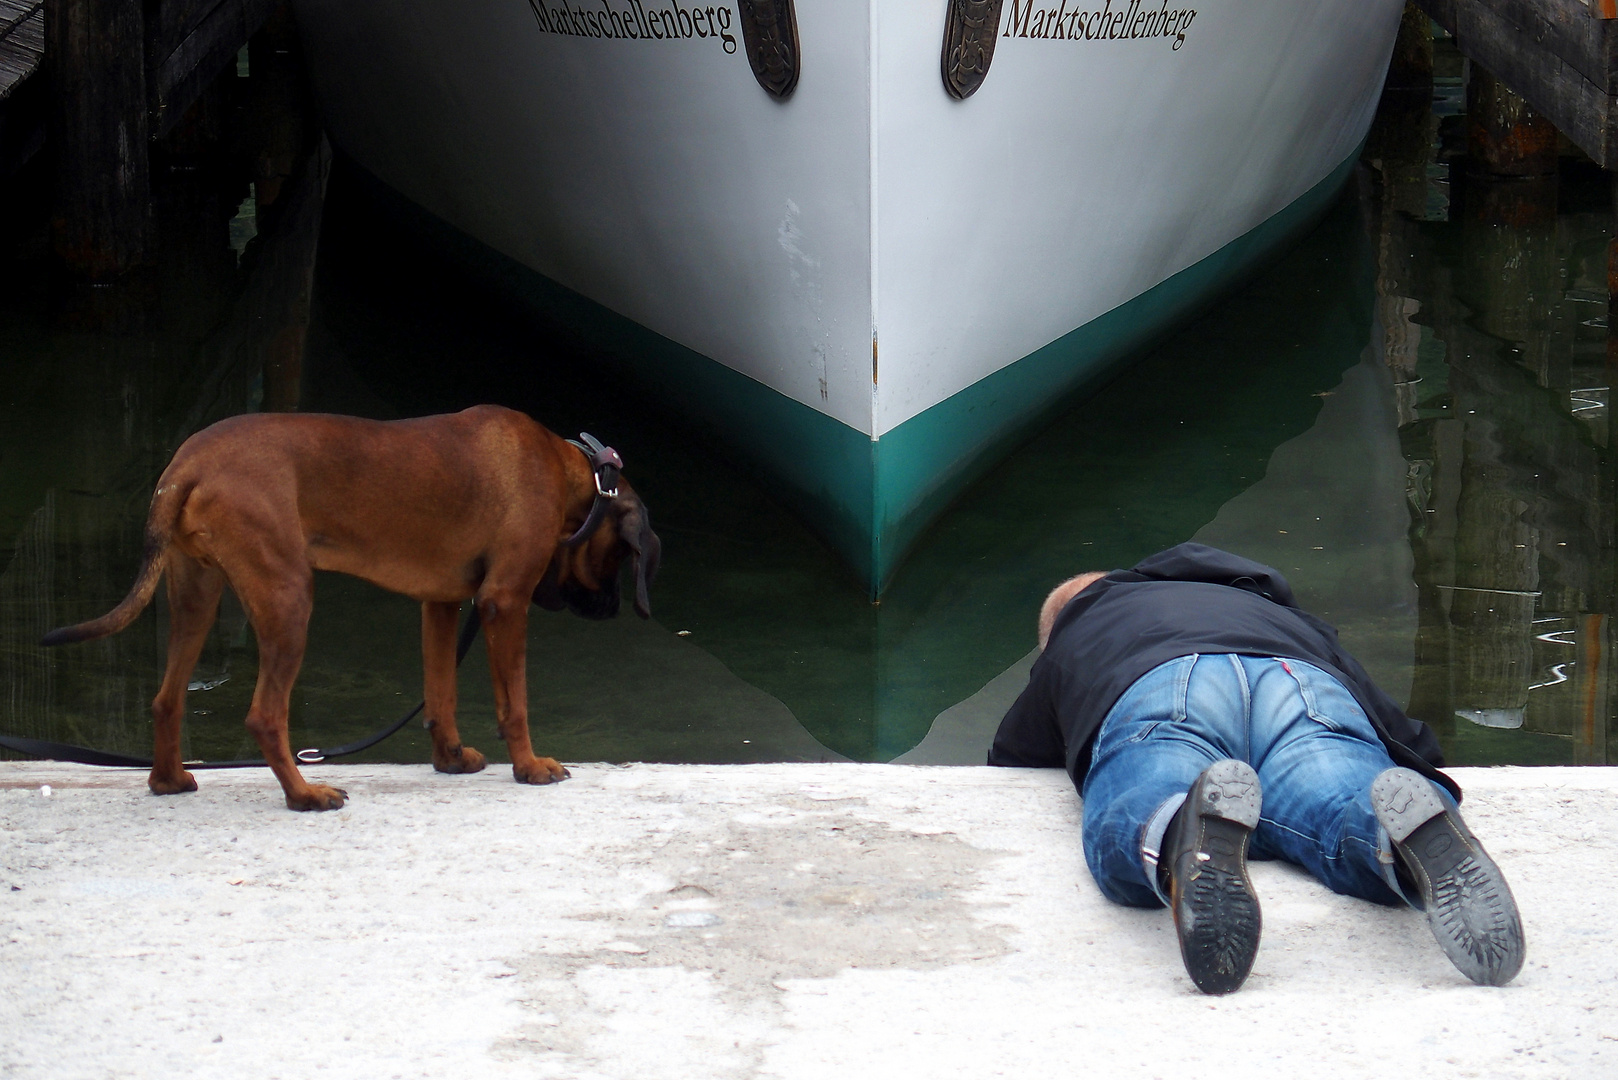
x=629, y=19
x=1102, y=24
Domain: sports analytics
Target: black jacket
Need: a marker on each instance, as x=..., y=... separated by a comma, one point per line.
x=1188, y=599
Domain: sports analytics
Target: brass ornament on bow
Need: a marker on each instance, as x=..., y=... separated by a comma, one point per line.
x=770, y=34
x=969, y=32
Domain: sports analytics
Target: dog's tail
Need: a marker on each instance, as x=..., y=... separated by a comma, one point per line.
x=160, y=522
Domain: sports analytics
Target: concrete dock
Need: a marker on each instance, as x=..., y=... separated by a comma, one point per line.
x=654, y=921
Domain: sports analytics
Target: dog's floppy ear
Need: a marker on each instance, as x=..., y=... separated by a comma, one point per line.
x=635, y=530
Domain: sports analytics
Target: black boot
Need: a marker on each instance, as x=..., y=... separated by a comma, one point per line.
x=1469, y=905
x=1203, y=868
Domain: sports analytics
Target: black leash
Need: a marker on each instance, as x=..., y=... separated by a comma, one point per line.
x=83, y=755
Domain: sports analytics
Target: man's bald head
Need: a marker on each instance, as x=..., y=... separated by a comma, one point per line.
x=1057, y=600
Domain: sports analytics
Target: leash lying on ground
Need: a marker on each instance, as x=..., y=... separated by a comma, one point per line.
x=84, y=755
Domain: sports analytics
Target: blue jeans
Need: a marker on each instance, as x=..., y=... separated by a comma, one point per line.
x=1311, y=744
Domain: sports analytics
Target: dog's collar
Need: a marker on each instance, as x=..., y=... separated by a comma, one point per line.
x=605, y=466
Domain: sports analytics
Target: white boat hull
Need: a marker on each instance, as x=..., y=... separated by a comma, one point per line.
x=870, y=248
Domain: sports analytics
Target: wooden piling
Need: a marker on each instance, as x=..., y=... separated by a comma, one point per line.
x=95, y=54
x=277, y=106
x=1505, y=136
x=1411, y=67
x=287, y=267
x=121, y=74
x=1612, y=318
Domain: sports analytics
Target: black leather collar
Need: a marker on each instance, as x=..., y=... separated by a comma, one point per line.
x=606, y=466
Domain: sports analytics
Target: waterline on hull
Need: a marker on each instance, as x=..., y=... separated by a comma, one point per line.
x=871, y=499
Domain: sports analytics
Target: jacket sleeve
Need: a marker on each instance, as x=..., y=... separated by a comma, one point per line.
x=1029, y=736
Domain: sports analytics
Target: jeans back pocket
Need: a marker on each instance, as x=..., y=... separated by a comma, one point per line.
x=1307, y=690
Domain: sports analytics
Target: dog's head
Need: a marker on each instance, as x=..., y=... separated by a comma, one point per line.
x=584, y=579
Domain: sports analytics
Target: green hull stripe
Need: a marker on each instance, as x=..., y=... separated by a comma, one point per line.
x=872, y=499
x=925, y=462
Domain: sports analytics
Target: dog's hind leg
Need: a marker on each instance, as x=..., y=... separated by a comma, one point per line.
x=278, y=604
x=194, y=591
x=438, y=670
x=505, y=632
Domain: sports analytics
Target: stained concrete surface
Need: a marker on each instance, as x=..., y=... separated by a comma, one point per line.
x=737, y=921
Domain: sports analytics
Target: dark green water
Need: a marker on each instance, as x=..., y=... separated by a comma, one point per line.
x=1406, y=414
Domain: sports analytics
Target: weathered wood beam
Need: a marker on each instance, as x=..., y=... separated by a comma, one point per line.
x=1566, y=29
x=22, y=41
x=23, y=99
x=1556, y=54
x=204, y=43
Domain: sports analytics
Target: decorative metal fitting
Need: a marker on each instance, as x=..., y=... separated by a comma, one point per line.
x=770, y=34
x=969, y=31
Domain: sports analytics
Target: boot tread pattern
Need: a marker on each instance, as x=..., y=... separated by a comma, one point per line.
x=1220, y=921
x=1470, y=909
x=1216, y=912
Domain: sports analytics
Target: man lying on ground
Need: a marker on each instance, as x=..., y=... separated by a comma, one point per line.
x=1205, y=717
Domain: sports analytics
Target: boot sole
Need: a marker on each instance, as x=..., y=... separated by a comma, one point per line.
x=1470, y=909
x=1216, y=912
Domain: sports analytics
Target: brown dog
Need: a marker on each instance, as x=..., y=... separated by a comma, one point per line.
x=442, y=508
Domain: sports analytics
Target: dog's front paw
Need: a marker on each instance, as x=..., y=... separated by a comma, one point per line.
x=317, y=797
x=460, y=759
x=541, y=770
x=171, y=785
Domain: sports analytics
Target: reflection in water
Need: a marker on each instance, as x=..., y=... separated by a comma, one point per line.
x=1494, y=313
x=1406, y=414
x=1141, y=466
x=101, y=385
